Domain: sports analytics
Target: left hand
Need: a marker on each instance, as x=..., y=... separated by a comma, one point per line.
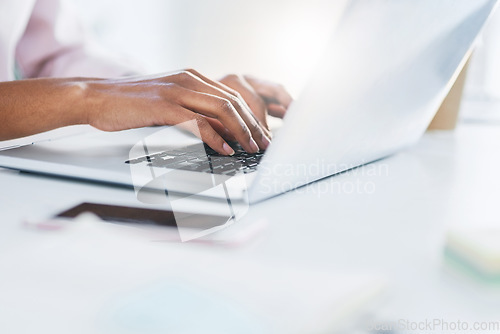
x=262, y=97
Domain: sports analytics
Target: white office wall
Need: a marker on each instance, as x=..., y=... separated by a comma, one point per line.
x=128, y=27
x=277, y=39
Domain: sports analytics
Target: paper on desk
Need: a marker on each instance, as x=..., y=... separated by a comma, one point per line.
x=88, y=279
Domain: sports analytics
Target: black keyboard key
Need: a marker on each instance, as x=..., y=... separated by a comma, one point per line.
x=205, y=160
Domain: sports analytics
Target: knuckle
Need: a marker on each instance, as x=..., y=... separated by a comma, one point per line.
x=237, y=96
x=226, y=106
x=236, y=100
x=199, y=126
x=183, y=76
x=169, y=91
x=201, y=122
x=214, y=137
x=230, y=78
x=255, y=127
x=246, y=135
x=233, y=99
x=245, y=131
x=171, y=86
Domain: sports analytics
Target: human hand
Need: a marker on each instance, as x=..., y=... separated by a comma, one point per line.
x=234, y=108
x=263, y=97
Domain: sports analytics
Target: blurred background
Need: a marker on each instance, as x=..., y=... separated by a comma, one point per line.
x=269, y=39
x=279, y=40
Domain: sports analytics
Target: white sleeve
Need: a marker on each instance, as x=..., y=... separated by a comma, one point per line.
x=55, y=45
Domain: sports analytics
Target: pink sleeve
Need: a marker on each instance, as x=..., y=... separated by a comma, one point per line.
x=54, y=45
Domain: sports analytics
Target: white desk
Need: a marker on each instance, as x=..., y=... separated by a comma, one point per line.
x=394, y=227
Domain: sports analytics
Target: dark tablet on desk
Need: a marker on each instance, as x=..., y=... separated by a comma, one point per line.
x=145, y=216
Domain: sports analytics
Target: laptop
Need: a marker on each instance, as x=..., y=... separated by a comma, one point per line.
x=387, y=68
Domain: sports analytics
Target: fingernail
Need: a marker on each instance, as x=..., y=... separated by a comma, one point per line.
x=265, y=141
x=228, y=149
x=254, y=145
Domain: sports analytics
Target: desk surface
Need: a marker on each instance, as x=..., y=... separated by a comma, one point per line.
x=387, y=218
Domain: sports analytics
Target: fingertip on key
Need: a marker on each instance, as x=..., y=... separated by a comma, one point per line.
x=265, y=142
x=253, y=146
x=227, y=149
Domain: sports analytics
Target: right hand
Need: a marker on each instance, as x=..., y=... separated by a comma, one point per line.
x=172, y=99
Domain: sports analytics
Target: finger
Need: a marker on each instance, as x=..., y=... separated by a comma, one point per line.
x=244, y=93
x=218, y=108
x=270, y=91
x=276, y=110
x=201, y=127
x=255, y=102
x=257, y=133
x=221, y=129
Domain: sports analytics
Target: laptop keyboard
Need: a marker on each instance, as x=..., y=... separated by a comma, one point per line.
x=192, y=158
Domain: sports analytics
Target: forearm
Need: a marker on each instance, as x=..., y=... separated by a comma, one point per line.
x=31, y=106
x=206, y=107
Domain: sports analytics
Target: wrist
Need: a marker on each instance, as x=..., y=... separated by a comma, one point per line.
x=82, y=99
